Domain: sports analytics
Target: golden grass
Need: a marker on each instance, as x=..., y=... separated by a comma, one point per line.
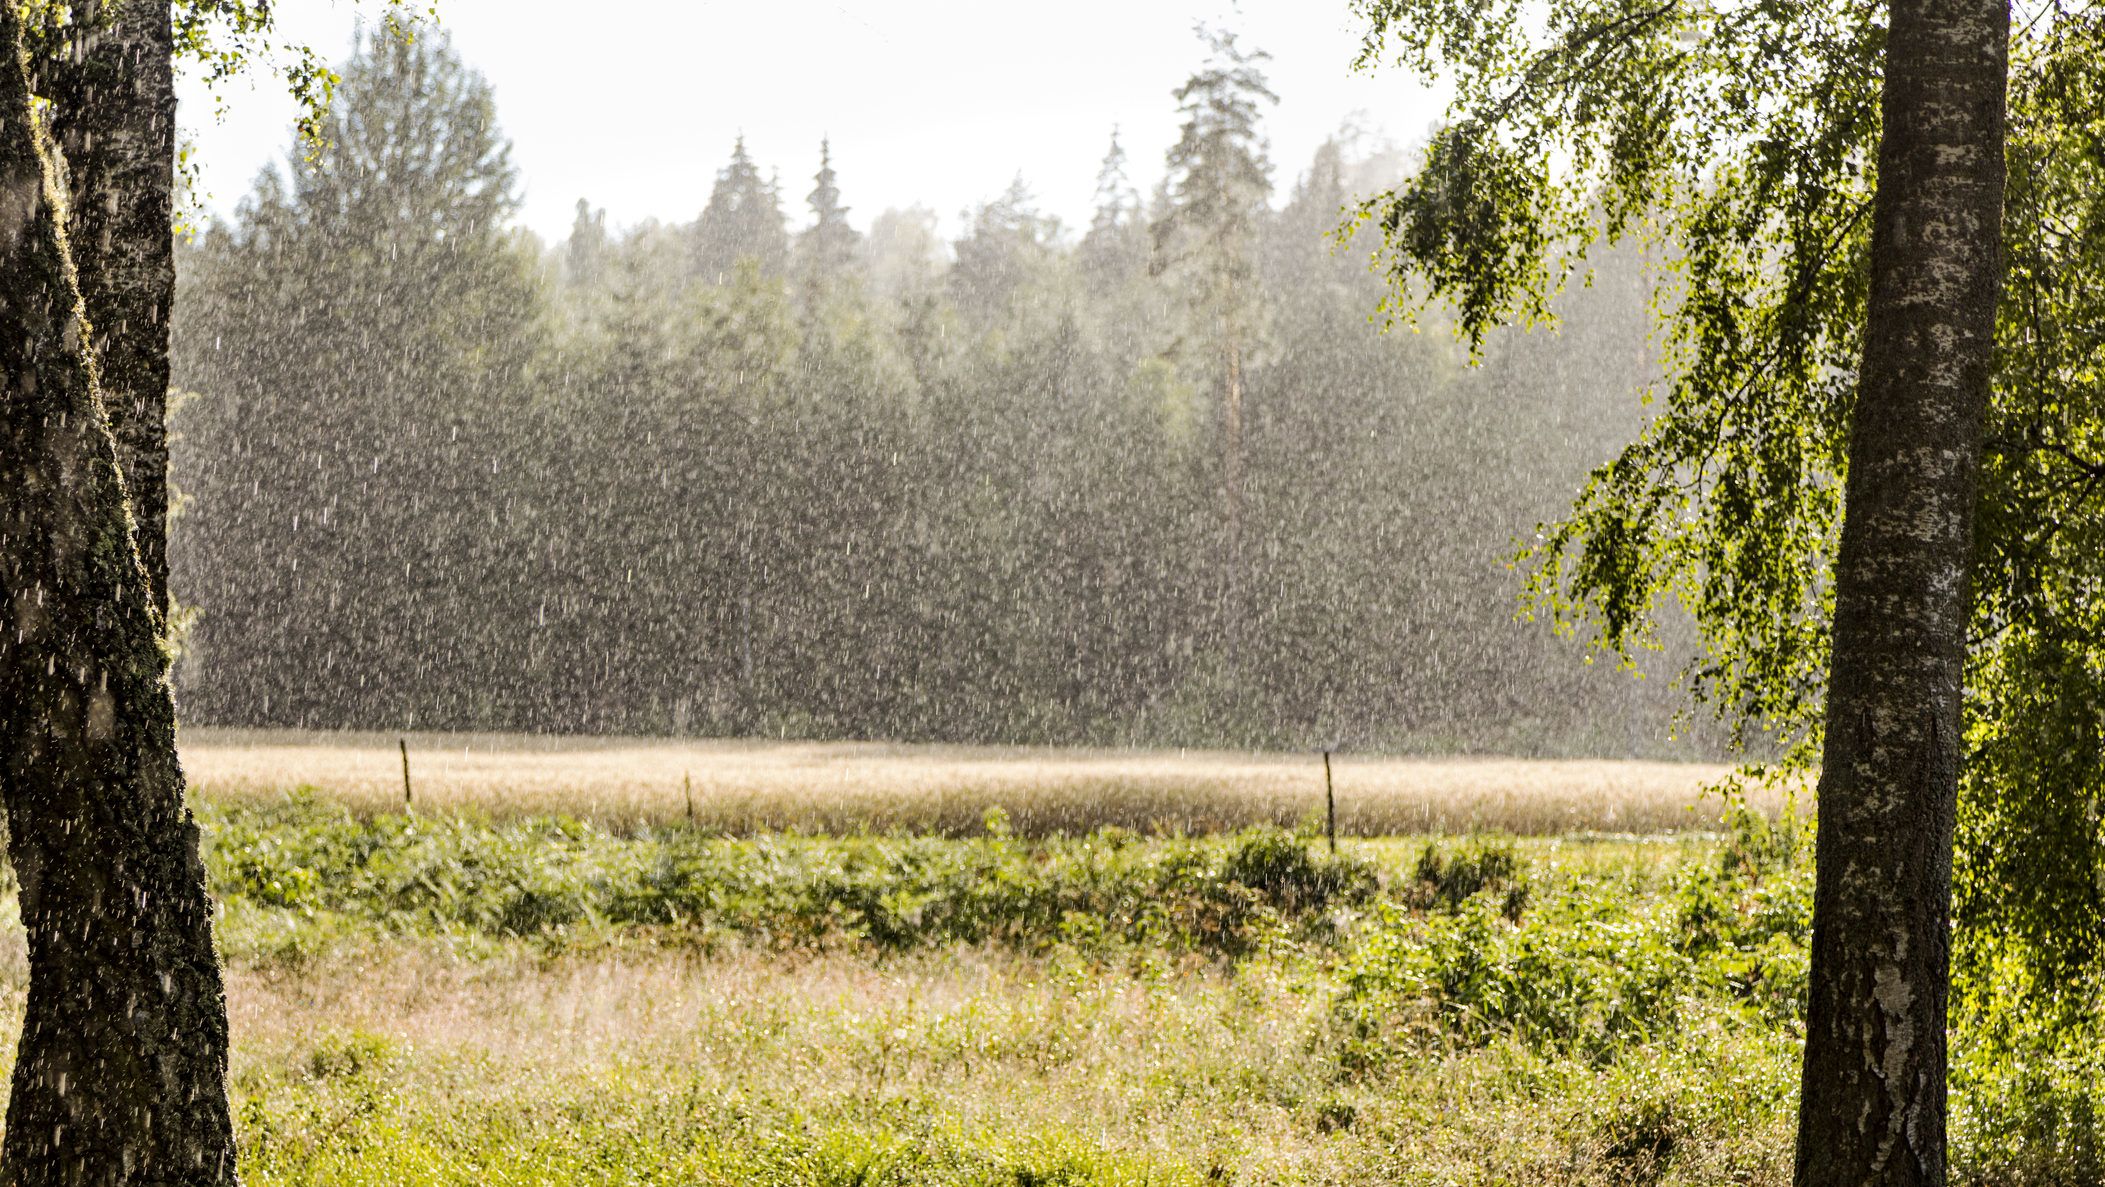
x=992, y=1032
x=749, y=786
x=1187, y=1068
x=436, y=1062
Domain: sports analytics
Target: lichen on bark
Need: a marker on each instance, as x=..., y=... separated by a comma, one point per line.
x=121, y=1069
x=113, y=121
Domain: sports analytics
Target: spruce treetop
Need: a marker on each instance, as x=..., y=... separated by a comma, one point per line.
x=829, y=247
x=742, y=221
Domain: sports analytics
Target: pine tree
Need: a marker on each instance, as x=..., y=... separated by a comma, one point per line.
x=1318, y=201
x=585, y=252
x=1218, y=183
x=742, y=221
x=1117, y=202
x=361, y=336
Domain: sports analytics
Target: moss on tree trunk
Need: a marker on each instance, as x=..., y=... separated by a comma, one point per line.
x=113, y=116
x=120, y=1076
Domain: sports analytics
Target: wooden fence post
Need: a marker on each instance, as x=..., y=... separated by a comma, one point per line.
x=1330, y=804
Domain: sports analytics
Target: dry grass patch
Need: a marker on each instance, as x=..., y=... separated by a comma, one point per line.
x=965, y=1066
x=754, y=786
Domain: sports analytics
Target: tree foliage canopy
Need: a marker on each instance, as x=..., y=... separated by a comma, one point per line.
x=1736, y=144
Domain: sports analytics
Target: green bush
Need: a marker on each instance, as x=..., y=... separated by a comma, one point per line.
x=1581, y=970
x=2028, y=1078
x=1480, y=864
x=555, y=879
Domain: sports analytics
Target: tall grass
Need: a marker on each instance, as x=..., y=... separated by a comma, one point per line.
x=751, y=787
x=988, y=1012
x=426, y=1001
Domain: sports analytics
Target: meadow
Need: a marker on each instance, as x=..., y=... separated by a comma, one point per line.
x=762, y=786
x=543, y=1001
x=493, y=990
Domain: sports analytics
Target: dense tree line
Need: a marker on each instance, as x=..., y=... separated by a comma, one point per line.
x=1158, y=479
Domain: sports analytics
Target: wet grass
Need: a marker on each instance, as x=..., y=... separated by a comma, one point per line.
x=755, y=787
x=544, y=1001
x=520, y=1000
x=952, y=1066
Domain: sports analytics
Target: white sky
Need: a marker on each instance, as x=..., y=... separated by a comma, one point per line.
x=633, y=104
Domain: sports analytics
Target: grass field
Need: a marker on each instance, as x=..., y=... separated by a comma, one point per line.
x=960, y=1066
x=562, y=983
x=746, y=787
x=534, y=1001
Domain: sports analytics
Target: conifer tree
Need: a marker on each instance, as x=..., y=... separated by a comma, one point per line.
x=585, y=252
x=1218, y=183
x=1117, y=202
x=742, y=221
x=362, y=333
x=1010, y=246
x=1115, y=246
x=827, y=250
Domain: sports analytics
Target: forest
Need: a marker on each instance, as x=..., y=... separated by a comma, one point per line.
x=764, y=473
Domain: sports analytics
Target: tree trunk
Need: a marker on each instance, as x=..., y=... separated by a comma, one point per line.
x=113, y=116
x=120, y=1076
x=1872, y=1110
x=1232, y=490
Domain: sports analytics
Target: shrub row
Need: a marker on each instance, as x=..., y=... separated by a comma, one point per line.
x=547, y=877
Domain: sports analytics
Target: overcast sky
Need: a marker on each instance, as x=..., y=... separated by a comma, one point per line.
x=633, y=104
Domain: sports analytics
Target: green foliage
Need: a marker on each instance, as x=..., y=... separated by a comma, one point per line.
x=1581, y=969
x=1740, y=140
x=2031, y=868
x=1447, y=880
x=560, y=881
x=2028, y=1076
x=1285, y=869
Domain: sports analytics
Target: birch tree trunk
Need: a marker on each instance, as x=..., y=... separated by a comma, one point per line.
x=113, y=116
x=1872, y=1109
x=120, y=1076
